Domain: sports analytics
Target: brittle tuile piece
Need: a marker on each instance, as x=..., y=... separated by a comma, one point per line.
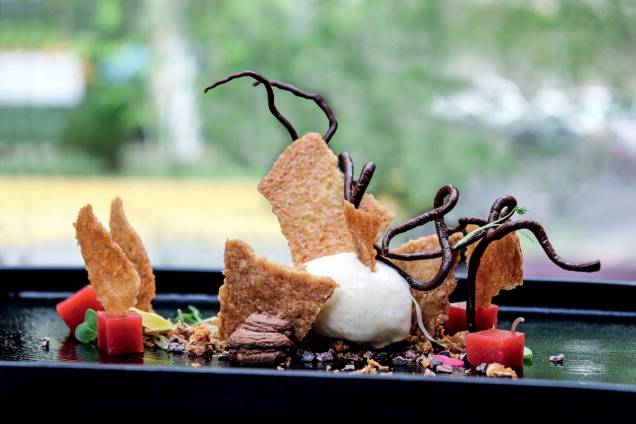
x=253, y=284
x=434, y=303
x=366, y=224
x=500, y=268
x=111, y=274
x=130, y=242
x=304, y=187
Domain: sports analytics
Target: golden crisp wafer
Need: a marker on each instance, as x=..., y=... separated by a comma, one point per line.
x=434, y=303
x=110, y=272
x=254, y=284
x=500, y=268
x=366, y=224
x=305, y=189
x=130, y=242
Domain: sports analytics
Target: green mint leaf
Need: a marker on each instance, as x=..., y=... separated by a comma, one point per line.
x=521, y=210
x=90, y=318
x=85, y=333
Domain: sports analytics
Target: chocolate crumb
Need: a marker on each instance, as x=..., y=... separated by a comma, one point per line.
x=45, y=342
x=444, y=369
x=177, y=345
x=400, y=361
x=325, y=356
x=434, y=363
x=349, y=367
x=557, y=359
x=307, y=356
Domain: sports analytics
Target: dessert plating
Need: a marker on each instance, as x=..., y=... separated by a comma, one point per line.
x=347, y=287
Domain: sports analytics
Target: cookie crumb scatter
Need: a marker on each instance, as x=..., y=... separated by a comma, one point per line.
x=200, y=343
x=195, y=365
x=500, y=371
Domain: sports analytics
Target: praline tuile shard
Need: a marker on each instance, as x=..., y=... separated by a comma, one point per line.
x=366, y=307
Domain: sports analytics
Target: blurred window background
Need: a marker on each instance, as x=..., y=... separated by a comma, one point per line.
x=532, y=98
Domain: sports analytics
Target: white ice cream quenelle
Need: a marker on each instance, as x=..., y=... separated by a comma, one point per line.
x=367, y=307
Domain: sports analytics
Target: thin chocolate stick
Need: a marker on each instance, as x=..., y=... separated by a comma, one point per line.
x=346, y=167
x=362, y=183
x=317, y=98
x=270, y=97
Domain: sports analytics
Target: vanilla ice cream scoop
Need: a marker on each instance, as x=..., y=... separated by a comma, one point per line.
x=366, y=307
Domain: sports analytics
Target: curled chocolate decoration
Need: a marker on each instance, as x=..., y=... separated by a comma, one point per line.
x=445, y=200
x=494, y=234
x=440, y=208
x=270, y=97
x=317, y=98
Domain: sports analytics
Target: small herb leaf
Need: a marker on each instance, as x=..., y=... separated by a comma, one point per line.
x=86, y=332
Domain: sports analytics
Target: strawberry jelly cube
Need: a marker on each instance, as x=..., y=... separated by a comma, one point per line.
x=486, y=318
x=502, y=346
x=72, y=310
x=117, y=335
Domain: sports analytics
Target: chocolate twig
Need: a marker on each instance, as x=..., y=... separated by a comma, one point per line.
x=354, y=189
x=498, y=233
x=317, y=98
x=270, y=97
x=445, y=200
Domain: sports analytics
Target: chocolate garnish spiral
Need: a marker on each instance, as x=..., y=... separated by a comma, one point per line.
x=445, y=200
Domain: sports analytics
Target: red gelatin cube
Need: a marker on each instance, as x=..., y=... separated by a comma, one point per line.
x=117, y=335
x=502, y=346
x=486, y=318
x=72, y=310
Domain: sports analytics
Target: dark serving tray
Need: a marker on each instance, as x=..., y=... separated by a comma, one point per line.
x=593, y=323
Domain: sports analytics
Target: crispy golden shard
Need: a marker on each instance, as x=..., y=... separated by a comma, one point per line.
x=366, y=224
x=111, y=274
x=256, y=285
x=304, y=188
x=130, y=242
